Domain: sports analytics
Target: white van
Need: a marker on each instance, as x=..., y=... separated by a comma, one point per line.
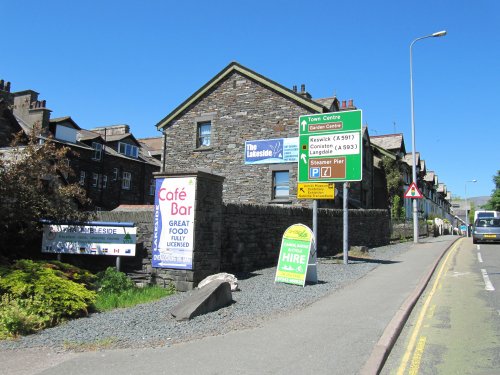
x=482, y=214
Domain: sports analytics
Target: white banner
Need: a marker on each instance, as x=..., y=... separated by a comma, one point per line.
x=89, y=239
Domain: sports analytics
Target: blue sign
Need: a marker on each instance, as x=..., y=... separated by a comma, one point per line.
x=272, y=151
x=314, y=172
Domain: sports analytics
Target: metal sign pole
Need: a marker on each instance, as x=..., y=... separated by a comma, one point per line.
x=315, y=221
x=346, y=223
x=118, y=262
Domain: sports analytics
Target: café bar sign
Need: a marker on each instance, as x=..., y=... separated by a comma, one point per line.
x=174, y=215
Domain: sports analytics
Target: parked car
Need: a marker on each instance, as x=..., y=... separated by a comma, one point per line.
x=486, y=230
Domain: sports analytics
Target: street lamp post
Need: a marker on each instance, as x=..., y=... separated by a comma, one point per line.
x=466, y=211
x=414, y=159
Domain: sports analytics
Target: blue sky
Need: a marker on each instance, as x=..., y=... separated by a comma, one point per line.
x=111, y=62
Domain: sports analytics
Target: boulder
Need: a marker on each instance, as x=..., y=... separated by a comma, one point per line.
x=211, y=297
x=231, y=279
x=360, y=249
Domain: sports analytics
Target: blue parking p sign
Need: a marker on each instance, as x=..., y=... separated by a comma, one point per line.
x=314, y=172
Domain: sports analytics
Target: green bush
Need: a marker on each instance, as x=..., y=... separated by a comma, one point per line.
x=113, y=281
x=16, y=319
x=37, y=295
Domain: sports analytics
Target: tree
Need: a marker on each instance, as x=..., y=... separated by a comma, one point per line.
x=394, y=183
x=494, y=202
x=32, y=188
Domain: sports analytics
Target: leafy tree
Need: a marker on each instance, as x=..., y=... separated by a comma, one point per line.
x=33, y=187
x=394, y=182
x=494, y=202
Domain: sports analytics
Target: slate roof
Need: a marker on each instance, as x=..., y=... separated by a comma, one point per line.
x=235, y=67
x=153, y=145
x=391, y=142
x=65, y=119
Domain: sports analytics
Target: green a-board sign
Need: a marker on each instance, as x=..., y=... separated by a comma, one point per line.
x=330, y=147
x=297, y=259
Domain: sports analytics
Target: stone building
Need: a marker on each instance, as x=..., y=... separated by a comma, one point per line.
x=216, y=128
x=108, y=162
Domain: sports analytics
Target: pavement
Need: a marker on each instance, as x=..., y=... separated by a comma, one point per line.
x=350, y=331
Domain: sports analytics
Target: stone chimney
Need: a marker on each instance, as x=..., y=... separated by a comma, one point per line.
x=348, y=105
x=303, y=92
x=121, y=129
x=32, y=111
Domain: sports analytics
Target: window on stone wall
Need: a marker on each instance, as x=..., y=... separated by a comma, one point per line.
x=281, y=184
x=152, y=186
x=83, y=177
x=95, y=179
x=204, y=132
x=103, y=181
x=99, y=181
x=128, y=150
x=97, y=155
x=126, y=180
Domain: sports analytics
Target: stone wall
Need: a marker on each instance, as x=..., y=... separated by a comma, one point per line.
x=243, y=238
x=252, y=234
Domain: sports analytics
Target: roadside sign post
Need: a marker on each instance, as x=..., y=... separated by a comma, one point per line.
x=316, y=190
x=331, y=150
x=345, y=244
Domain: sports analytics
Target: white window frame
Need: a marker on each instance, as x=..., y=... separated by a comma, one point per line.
x=95, y=179
x=115, y=174
x=83, y=177
x=103, y=181
x=97, y=147
x=203, y=140
x=275, y=196
x=152, y=187
x=128, y=150
x=126, y=180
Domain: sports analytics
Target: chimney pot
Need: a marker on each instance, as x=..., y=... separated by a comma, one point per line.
x=1, y=84
x=343, y=104
x=351, y=103
x=294, y=88
x=302, y=88
x=44, y=102
x=7, y=87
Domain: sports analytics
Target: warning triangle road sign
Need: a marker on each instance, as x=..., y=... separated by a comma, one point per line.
x=413, y=192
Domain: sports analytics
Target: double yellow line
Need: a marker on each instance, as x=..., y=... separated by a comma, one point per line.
x=417, y=357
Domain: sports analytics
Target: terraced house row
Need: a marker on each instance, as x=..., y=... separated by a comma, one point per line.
x=211, y=131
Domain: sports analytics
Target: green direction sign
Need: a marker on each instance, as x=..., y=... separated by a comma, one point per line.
x=330, y=147
x=297, y=262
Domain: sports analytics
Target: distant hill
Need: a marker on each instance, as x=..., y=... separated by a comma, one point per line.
x=459, y=203
x=479, y=201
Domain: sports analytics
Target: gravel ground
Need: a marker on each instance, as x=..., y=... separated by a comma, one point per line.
x=150, y=325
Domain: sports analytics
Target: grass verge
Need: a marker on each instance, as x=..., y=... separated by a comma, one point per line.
x=131, y=297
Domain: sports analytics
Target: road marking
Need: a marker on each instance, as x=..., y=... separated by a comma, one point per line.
x=488, y=285
x=417, y=357
x=423, y=312
x=458, y=274
x=432, y=310
x=479, y=258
